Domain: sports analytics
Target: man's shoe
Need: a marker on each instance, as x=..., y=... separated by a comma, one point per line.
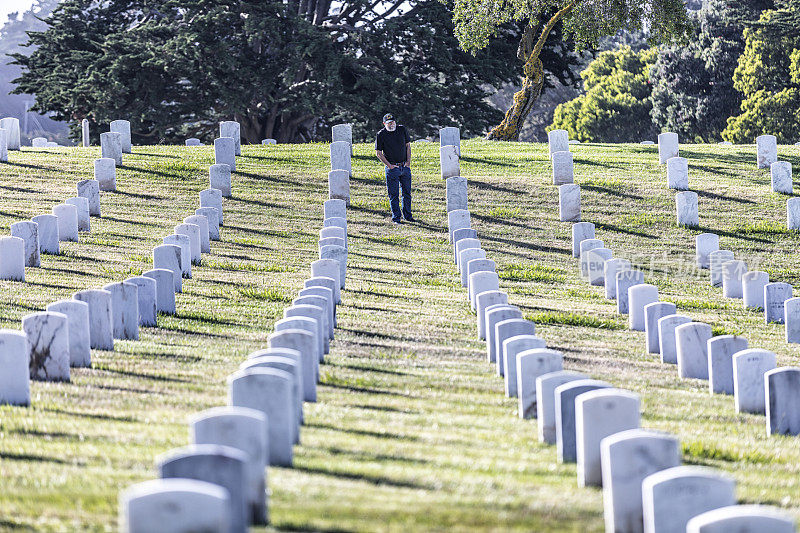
x=397, y=221
x=411, y=219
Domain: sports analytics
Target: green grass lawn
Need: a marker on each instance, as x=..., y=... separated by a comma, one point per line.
x=412, y=430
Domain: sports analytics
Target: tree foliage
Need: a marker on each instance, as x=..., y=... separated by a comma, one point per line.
x=286, y=70
x=615, y=106
x=768, y=76
x=693, y=90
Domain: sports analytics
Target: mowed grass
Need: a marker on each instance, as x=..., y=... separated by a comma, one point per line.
x=412, y=430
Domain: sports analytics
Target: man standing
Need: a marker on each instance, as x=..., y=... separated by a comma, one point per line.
x=393, y=148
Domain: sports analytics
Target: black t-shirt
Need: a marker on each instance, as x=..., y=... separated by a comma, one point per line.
x=393, y=144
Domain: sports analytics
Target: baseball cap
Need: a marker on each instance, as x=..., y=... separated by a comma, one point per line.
x=387, y=117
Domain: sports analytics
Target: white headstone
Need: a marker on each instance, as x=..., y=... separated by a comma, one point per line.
x=667, y=146
x=47, y=226
x=531, y=364
x=749, y=367
x=185, y=244
x=212, y=219
x=666, y=337
x=781, y=175
x=339, y=185
x=775, y=294
x=456, y=193
x=146, y=297
x=625, y=280
x=219, y=177
x=334, y=208
x=3, y=145
x=483, y=301
x=766, y=150
x=546, y=403
x=339, y=254
x=595, y=262
x=753, y=283
x=581, y=231
x=732, y=272
x=782, y=400
x=450, y=136
x=558, y=141
x=12, y=258
x=638, y=297
x=343, y=132
x=327, y=294
x=101, y=322
x=193, y=232
x=705, y=243
x=67, y=216
x=507, y=329
x=610, y=270
x=289, y=361
x=565, y=415
x=686, y=209
x=202, y=224
x=715, y=261
x=457, y=219
x=269, y=141
x=513, y=347
x=193, y=141
x=678, y=173
x=306, y=344
x=563, y=168
x=77, y=313
x=105, y=173
x=480, y=282
x=123, y=127
x=459, y=234
x=165, y=289
x=38, y=142
x=212, y=198
x=584, y=246
x=653, y=312
x=111, y=147
x=225, y=153
x=791, y=317
x=14, y=360
x=328, y=268
x=569, y=202
x=467, y=255
x=124, y=309
x=691, y=343
x=721, y=350
x=11, y=125
x=28, y=231
x=48, y=335
x=90, y=189
x=742, y=519
x=168, y=257
x=449, y=161
x=340, y=156
x=82, y=206
x=232, y=129
x=493, y=317
x=85, y=133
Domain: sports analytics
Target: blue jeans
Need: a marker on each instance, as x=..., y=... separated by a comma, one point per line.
x=395, y=178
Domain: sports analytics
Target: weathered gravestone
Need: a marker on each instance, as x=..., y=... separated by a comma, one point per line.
x=465, y=243
x=15, y=362
x=793, y=213
x=638, y=297
x=334, y=208
x=626, y=459
x=47, y=227
x=457, y=219
x=686, y=209
x=721, y=350
x=28, y=231
x=595, y=263
x=775, y=294
x=221, y=465
x=791, y=317
x=212, y=220
x=291, y=365
x=269, y=391
x=124, y=309
x=483, y=301
x=193, y=141
x=232, y=129
x=732, y=272
x=339, y=185
x=343, y=132
x=749, y=367
x=3, y=146
x=90, y=189
x=333, y=231
x=705, y=243
x=581, y=231
x=212, y=198
x=123, y=127
x=625, y=280
x=467, y=255
x=678, y=173
x=598, y=414
x=507, y=329
x=165, y=289
x=168, y=257
x=225, y=154
x=753, y=284
x=458, y=235
x=327, y=295
x=653, y=312
x=146, y=297
x=338, y=254
x=766, y=150
x=202, y=224
x=48, y=335
x=174, y=506
x=449, y=161
x=480, y=282
x=513, y=347
x=563, y=168
x=671, y=497
x=85, y=133
x=691, y=343
x=610, y=270
x=565, y=415
x=569, y=202
x=456, y=193
x=101, y=323
x=340, y=157
x=585, y=246
x=741, y=519
x=244, y=429
x=111, y=147
x=11, y=125
x=67, y=216
x=38, y=142
x=531, y=364
x=328, y=268
x=193, y=232
x=12, y=258
x=269, y=141
x=450, y=136
x=782, y=387
x=77, y=313
x=219, y=178
x=494, y=316
x=82, y=207
x=781, y=177
x=184, y=242
x=715, y=261
x=667, y=146
x=313, y=323
x=306, y=344
x=557, y=141
x=546, y=402
x=105, y=174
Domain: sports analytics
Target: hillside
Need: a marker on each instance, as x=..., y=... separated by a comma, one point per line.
x=411, y=430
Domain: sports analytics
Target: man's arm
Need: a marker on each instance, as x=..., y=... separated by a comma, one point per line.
x=408, y=155
x=383, y=159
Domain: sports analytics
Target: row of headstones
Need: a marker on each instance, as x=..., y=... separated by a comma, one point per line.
x=725, y=361
x=594, y=424
x=218, y=482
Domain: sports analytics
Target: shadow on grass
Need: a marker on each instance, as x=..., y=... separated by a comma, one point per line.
x=526, y=245
x=192, y=332
x=372, y=369
x=25, y=165
x=8, y=456
x=92, y=416
x=303, y=528
x=716, y=196
x=123, y=221
x=382, y=257
x=486, y=162
x=209, y=320
x=367, y=478
x=364, y=432
x=381, y=408
x=142, y=375
x=258, y=203
x=499, y=221
x=739, y=157
x=259, y=177
x=14, y=526
x=612, y=227
x=607, y=190
x=482, y=185
x=373, y=334
x=363, y=390
x=140, y=196
x=374, y=457
x=735, y=235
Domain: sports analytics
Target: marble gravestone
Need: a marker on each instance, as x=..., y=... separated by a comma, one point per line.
x=610, y=270
x=223, y=466
x=781, y=177
x=124, y=309
x=146, y=297
x=494, y=316
x=625, y=280
x=338, y=254
x=212, y=198
x=165, y=289
x=219, y=178
x=105, y=174
x=343, y=132
x=306, y=344
x=686, y=209
x=11, y=125
x=705, y=243
x=328, y=268
x=782, y=388
x=532, y=364
x=193, y=232
x=334, y=208
x=232, y=129
x=28, y=231
x=513, y=347
x=456, y=193
x=666, y=337
x=732, y=272
x=90, y=189
x=457, y=219
x=123, y=127
x=212, y=218
x=640, y=296
x=15, y=362
x=202, y=227
x=483, y=301
x=678, y=173
x=174, y=506
x=85, y=133
x=715, y=261
x=753, y=284
x=595, y=263
x=77, y=313
x=3, y=145
x=67, y=216
x=450, y=136
x=340, y=156
x=565, y=415
x=317, y=328
x=292, y=365
x=691, y=343
x=101, y=324
x=225, y=153
x=569, y=202
x=667, y=146
x=653, y=312
x=48, y=337
x=479, y=282
x=766, y=150
x=507, y=329
x=339, y=185
x=184, y=242
x=742, y=519
x=749, y=367
x=585, y=246
x=449, y=161
x=168, y=257
x=546, y=403
x=192, y=141
x=557, y=141
x=721, y=350
x=82, y=206
x=12, y=258
x=775, y=294
x=581, y=231
x=563, y=168
x=111, y=147
x=791, y=318
x=47, y=227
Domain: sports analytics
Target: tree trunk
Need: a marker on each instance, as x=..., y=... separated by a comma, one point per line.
x=532, y=83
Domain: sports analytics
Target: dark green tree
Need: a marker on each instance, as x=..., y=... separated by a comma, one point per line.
x=693, y=92
x=286, y=70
